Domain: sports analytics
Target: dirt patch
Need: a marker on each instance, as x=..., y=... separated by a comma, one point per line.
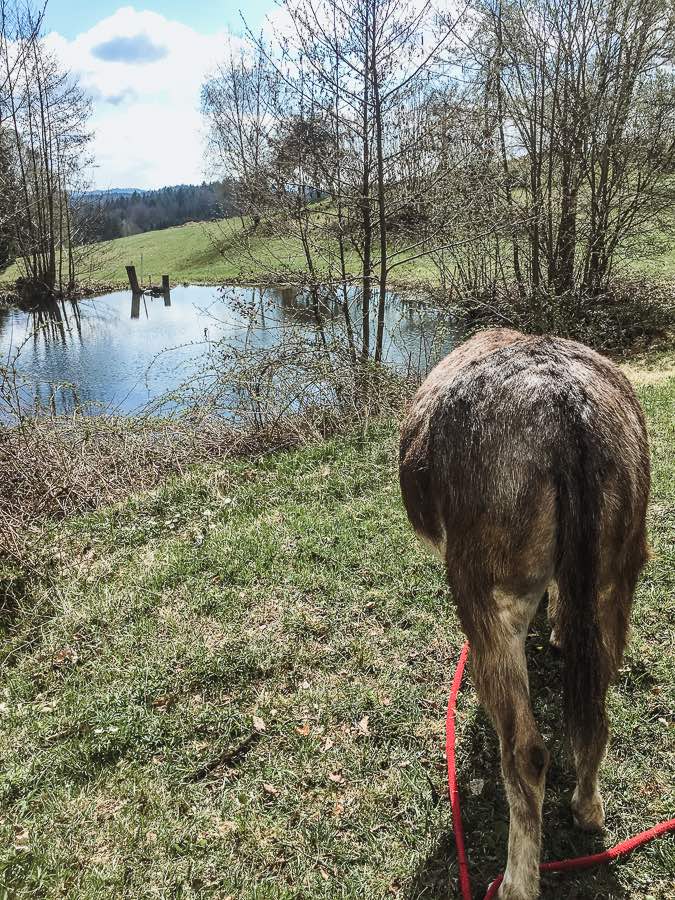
x=648, y=376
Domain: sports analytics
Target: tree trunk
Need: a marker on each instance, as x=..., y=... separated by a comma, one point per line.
x=365, y=194
x=381, y=205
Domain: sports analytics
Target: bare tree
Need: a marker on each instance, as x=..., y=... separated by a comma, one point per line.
x=43, y=123
x=19, y=25
x=520, y=150
x=580, y=110
x=329, y=152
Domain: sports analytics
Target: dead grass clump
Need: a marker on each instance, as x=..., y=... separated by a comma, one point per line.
x=54, y=467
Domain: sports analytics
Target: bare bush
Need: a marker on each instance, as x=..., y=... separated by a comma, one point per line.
x=628, y=317
x=242, y=402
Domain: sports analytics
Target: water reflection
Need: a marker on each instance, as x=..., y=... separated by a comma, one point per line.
x=141, y=300
x=56, y=320
x=120, y=351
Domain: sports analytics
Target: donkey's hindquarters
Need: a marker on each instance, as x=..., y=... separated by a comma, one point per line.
x=524, y=463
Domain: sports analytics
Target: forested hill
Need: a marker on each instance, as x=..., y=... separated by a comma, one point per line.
x=120, y=213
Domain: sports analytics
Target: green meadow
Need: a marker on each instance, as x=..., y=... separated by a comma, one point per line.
x=234, y=686
x=213, y=253
x=229, y=251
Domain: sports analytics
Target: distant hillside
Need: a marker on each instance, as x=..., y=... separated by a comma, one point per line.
x=123, y=212
x=113, y=192
x=224, y=251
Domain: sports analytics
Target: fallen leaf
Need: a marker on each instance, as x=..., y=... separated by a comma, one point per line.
x=329, y=743
x=476, y=786
x=336, y=777
x=270, y=790
x=259, y=724
x=363, y=727
x=65, y=657
x=303, y=729
x=163, y=702
x=21, y=838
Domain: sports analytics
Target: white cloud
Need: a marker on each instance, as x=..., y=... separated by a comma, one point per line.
x=148, y=130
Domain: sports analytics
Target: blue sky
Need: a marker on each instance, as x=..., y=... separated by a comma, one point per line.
x=72, y=17
x=143, y=64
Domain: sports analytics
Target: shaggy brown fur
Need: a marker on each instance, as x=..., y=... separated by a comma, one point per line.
x=524, y=462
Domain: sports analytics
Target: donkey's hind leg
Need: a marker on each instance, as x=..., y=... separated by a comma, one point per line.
x=589, y=749
x=552, y=613
x=500, y=676
x=614, y=604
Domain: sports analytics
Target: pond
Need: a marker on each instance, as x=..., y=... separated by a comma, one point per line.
x=117, y=353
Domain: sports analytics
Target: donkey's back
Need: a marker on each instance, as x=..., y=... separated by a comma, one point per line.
x=524, y=463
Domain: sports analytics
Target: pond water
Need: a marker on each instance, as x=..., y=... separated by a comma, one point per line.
x=117, y=353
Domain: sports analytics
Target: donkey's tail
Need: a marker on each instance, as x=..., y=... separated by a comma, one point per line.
x=586, y=667
x=417, y=482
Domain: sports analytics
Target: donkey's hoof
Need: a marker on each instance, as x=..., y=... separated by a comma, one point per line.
x=514, y=892
x=554, y=640
x=589, y=815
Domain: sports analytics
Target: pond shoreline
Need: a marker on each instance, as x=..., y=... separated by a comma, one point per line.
x=13, y=299
x=10, y=298
x=120, y=351
x=126, y=455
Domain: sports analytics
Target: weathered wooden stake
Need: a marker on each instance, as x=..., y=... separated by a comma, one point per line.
x=133, y=280
x=166, y=287
x=135, y=306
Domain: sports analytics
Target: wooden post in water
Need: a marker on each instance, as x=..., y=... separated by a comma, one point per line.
x=133, y=280
x=166, y=290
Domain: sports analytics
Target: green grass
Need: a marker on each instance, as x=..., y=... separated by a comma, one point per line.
x=185, y=253
x=212, y=253
x=235, y=687
x=221, y=252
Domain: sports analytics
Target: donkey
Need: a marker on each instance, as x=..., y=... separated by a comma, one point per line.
x=524, y=463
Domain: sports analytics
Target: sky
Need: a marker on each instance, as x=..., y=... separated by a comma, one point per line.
x=143, y=65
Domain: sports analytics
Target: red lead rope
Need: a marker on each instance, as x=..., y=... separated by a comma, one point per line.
x=564, y=865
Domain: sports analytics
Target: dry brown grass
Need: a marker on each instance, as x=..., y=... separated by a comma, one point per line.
x=54, y=467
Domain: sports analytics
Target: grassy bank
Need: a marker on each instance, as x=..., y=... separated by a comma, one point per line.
x=234, y=686
x=210, y=253
x=220, y=252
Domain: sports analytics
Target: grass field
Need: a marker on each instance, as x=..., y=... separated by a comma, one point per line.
x=234, y=687
x=210, y=253
x=221, y=252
